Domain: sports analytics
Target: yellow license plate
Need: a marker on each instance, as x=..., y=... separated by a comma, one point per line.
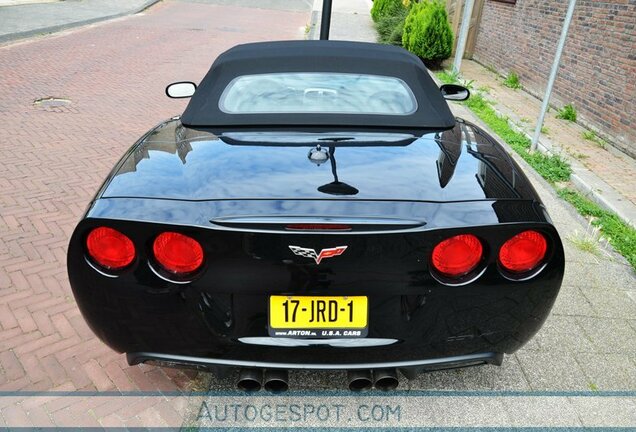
x=305, y=316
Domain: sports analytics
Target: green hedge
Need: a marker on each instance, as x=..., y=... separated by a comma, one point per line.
x=391, y=27
x=385, y=8
x=427, y=32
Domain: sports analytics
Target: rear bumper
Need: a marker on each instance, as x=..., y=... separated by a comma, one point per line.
x=413, y=366
x=222, y=313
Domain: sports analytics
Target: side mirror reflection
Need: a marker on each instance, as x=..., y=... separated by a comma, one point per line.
x=454, y=92
x=181, y=89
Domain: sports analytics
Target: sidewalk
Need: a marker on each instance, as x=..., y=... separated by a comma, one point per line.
x=21, y=20
x=601, y=172
x=350, y=20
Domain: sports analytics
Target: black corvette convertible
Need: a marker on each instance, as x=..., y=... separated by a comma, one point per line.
x=316, y=206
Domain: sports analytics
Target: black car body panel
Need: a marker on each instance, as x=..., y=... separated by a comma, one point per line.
x=139, y=311
x=248, y=257
x=461, y=164
x=237, y=192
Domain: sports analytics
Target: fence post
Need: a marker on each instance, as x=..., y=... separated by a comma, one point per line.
x=553, y=75
x=463, y=35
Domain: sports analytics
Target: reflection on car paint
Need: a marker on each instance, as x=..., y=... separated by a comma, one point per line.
x=207, y=168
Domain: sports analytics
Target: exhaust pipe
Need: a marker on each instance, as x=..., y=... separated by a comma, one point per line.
x=385, y=379
x=276, y=380
x=359, y=380
x=250, y=380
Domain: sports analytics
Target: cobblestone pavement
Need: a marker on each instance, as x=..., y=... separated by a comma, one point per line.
x=109, y=82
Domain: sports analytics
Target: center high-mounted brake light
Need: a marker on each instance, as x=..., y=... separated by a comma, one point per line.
x=317, y=227
x=178, y=253
x=458, y=255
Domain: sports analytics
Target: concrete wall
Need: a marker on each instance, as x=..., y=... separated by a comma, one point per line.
x=598, y=68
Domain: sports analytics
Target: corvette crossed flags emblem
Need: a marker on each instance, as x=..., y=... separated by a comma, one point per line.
x=311, y=253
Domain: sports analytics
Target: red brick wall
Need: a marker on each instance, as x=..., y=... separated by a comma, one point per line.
x=598, y=67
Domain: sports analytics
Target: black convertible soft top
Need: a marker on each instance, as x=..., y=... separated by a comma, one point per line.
x=318, y=56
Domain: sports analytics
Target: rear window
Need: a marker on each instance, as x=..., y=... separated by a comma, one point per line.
x=330, y=93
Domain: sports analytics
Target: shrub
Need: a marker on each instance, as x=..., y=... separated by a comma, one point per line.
x=385, y=8
x=568, y=112
x=391, y=27
x=427, y=32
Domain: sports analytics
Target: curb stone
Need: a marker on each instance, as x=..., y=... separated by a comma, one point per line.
x=314, y=21
x=56, y=28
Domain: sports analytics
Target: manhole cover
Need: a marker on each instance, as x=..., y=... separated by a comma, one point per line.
x=51, y=102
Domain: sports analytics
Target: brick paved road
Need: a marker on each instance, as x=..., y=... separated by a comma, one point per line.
x=53, y=158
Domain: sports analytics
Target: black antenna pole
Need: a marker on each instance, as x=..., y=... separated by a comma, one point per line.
x=325, y=22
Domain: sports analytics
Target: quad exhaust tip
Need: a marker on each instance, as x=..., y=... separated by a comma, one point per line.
x=250, y=380
x=277, y=380
x=381, y=379
x=272, y=380
x=359, y=380
x=385, y=379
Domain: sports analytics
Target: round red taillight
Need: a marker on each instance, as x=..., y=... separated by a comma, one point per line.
x=457, y=256
x=523, y=252
x=109, y=248
x=177, y=253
